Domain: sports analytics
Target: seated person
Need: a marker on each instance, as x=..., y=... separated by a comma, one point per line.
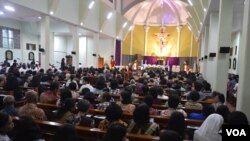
x=173, y=103
x=8, y=103
x=161, y=95
x=115, y=132
x=105, y=101
x=206, y=111
x=50, y=96
x=64, y=94
x=141, y=122
x=148, y=99
x=86, y=84
x=114, y=87
x=218, y=100
x=193, y=102
x=65, y=113
x=237, y=118
x=30, y=109
x=126, y=102
x=83, y=108
x=6, y=125
x=169, y=135
x=26, y=130
x=66, y=132
x=74, y=93
x=113, y=114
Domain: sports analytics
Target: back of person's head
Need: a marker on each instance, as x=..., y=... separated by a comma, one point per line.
x=221, y=98
x=31, y=96
x=100, y=83
x=153, y=91
x=148, y=99
x=83, y=105
x=4, y=123
x=65, y=93
x=173, y=101
x=66, y=133
x=9, y=100
x=68, y=105
x=208, y=110
x=85, y=90
x=126, y=97
x=86, y=80
x=207, y=86
x=177, y=123
x=90, y=97
x=113, y=112
x=170, y=135
x=72, y=86
x=113, y=84
x=237, y=118
x=26, y=130
x=106, y=97
x=160, y=91
x=145, y=90
x=115, y=132
x=223, y=111
x=194, y=96
x=54, y=86
x=141, y=114
x=198, y=86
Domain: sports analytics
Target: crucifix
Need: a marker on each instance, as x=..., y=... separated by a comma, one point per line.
x=162, y=37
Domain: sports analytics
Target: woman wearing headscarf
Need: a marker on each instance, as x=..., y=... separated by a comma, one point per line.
x=209, y=130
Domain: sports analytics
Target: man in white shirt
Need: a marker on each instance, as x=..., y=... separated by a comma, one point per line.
x=86, y=84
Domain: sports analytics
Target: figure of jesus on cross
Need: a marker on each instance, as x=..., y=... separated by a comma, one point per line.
x=162, y=36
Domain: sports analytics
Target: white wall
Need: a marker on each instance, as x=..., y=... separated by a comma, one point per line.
x=26, y=36
x=91, y=49
x=60, y=49
x=83, y=51
x=235, y=42
x=106, y=49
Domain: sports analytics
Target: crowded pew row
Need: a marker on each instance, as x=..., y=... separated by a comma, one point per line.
x=49, y=128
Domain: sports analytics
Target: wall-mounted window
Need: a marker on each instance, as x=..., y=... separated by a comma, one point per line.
x=9, y=38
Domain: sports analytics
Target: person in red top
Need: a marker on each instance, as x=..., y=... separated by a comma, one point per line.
x=50, y=96
x=112, y=62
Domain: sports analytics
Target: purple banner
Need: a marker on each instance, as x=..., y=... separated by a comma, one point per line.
x=118, y=52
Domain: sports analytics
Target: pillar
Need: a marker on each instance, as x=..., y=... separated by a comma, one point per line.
x=191, y=45
x=146, y=29
x=131, y=46
x=45, y=42
x=205, y=52
x=178, y=40
x=96, y=48
x=224, y=40
x=75, y=44
x=212, y=48
x=244, y=77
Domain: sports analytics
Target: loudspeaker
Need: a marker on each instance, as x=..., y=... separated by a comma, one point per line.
x=94, y=54
x=212, y=54
x=73, y=52
x=224, y=49
x=205, y=57
x=41, y=49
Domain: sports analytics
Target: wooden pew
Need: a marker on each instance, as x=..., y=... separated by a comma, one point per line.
x=49, y=110
x=162, y=121
x=49, y=129
x=183, y=101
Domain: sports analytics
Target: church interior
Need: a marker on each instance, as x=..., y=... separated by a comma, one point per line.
x=123, y=70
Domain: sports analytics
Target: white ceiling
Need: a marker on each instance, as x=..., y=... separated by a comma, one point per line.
x=158, y=12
